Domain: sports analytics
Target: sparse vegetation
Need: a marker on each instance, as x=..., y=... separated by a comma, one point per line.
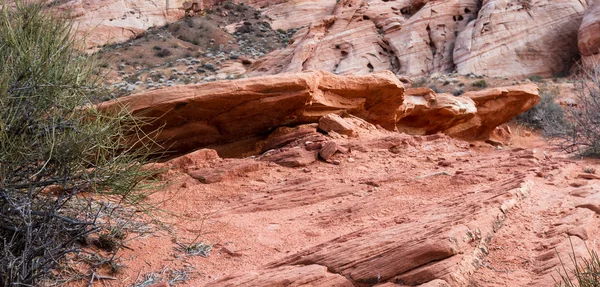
x=163, y=53
x=420, y=82
x=536, y=79
x=586, y=271
x=55, y=145
x=458, y=92
x=581, y=132
x=547, y=116
x=482, y=84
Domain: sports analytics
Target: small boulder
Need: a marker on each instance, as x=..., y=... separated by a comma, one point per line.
x=328, y=150
x=333, y=122
x=193, y=159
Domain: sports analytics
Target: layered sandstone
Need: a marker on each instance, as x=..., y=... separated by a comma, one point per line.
x=501, y=38
x=495, y=106
x=196, y=116
x=520, y=38
x=428, y=113
x=113, y=21
x=102, y=22
x=239, y=115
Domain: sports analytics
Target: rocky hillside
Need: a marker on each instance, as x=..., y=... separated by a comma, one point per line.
x=502, y=38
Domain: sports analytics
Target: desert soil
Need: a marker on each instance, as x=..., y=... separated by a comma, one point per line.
x=267, y=215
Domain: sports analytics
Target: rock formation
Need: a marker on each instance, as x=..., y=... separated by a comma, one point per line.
x=588, y=37
x=495, y=106
x=501, y=38
x=520, y=38
x=112, y=21
x=429, y=113
x=102, y=22
x=242, y=113
x=196, y=116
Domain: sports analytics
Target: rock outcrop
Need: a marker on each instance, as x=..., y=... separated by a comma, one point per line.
x=500, y=38
x=429, y=113
x=112, y=21
x=102, y=22
x=495, y=106
x=520, y=38
x=253, y=115
x=196, y=116
x=439, y=246
x=588, y=37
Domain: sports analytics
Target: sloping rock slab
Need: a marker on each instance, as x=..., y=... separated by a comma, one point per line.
x=311, y=275
x=196, y=116
x=446, y=243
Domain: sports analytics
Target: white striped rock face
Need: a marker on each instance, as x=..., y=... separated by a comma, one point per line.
x=510, y=38
x=493, y=38
x=113, y=21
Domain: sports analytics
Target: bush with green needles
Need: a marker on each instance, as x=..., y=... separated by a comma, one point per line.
x=54, y=144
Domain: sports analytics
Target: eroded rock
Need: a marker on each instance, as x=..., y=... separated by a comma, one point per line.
x=196, y=116
x=429, y=113
x=495, y=106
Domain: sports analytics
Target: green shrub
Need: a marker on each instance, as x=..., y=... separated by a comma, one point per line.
x=163, y=53
x=585, y=273
x=547, y=116
x=54, y=144
x=480, y=84
x=536, y=79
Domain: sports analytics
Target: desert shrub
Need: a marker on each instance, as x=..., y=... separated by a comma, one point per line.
x=480, y=84
x=547, y=116
x=580, y=132
x=163, y=53
x=458, y=92
x=536, y=79
x=585, y=273
x=54, y=145
x=434, y=88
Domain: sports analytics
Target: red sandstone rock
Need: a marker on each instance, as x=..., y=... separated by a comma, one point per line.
x=495, y=106
x=197, y=116
x=430, y=113
x=333, y=122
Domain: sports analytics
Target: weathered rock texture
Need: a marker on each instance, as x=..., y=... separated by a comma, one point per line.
x=196, y=116
x=239, y=115
x=112, y=21
x=511, y=37
x=589, y=35
x=498, y=38
x=429, y=113
x=444, y=244
x=494, y=107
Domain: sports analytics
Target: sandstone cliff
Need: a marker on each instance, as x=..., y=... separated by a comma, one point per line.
x=498, y=38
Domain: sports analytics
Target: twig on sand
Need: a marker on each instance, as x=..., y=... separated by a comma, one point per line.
x=99, y=277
